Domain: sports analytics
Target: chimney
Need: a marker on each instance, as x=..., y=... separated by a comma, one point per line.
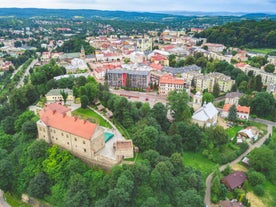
x=84, y=121
x=64, y=115
x=54, y=111
x=75, y=118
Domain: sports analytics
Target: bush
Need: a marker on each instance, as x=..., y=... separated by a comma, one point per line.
x=258, y=190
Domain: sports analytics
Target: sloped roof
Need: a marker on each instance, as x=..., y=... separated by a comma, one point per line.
x=72, y=125
x=234, y=180
x=240, y=109
x=207, y=111
x=233, y=95
x=169, y=79
x=57, y=107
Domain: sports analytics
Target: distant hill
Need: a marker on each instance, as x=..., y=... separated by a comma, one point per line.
x=250, y=33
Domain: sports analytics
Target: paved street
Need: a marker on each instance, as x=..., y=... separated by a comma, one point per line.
x=207, y=198
x=3, y=202
x=26, y=73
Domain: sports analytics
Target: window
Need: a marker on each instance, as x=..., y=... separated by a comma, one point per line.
x=67, y=135
x=68, y=143
x=84, y=150
x=83, y=142
x=75, y=139
x=61, y=134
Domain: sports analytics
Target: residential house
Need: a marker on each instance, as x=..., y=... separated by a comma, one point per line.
x=233, y=98
x=250, y=132
x=232, y=203
x=169, y=83
x=234, y=180
x=124, y=149
x=206, y=115
x=243, y=112
x=271, y=88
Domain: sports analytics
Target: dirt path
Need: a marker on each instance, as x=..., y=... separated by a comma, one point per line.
x=207, y=198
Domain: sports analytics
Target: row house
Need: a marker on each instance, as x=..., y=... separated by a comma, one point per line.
x=128, y=78
x=169, y=83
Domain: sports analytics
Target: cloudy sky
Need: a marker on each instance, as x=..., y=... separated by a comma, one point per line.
x=150, y=5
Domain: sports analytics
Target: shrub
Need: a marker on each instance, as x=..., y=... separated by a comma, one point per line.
x=258, y=190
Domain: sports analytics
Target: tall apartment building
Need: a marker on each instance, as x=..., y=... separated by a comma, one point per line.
x=208, y=81
x=128, y=78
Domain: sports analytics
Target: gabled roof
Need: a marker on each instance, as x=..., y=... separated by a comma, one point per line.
x=240, y=109
x=169, y=79
x=57, y=107
x=234, y=180
x=233, y=95
x=207, y=111
x=63, y=122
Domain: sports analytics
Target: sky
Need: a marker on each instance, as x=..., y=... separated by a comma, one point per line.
x=251, y=6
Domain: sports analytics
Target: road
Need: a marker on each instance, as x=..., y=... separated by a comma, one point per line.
x=3, y=202
x=26, y=73
x=150, y=97
x=207, y=198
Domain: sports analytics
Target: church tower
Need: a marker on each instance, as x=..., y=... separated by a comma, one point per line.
x=82, y=53
x=197, y=100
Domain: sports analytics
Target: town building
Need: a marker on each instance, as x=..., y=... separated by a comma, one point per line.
x=233, y=98
x=54, y=96
x=271, y=88
x=267, y=78
x=206, y=115
x=169, y=83
x=128, y=78
x=232, y=203
x=215, y=47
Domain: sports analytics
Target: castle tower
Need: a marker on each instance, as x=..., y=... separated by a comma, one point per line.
x=197, y=100
x=82, y=53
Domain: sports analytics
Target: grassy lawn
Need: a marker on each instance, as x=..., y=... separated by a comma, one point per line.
x=14, y=201
x=91, y=116
x=199, y=162
x=232, y=131
x=270, y=193
x=261, y=50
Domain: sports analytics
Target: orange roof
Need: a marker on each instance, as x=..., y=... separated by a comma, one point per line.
x=241, y=109
x=168, y=79
x=72, y=125
x=158, y=57
x=57, y=107
x=239, y=65
x=124, y=144
x=156, y=66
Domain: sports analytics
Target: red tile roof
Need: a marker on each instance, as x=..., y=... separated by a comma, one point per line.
x=241, y=109
x=169, y=79
x=156, y=66
x=72, y=125
x=57, y=107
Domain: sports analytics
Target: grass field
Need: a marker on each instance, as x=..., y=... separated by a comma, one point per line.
x=261, y=50
x=270, y=194
x=199, y=162
x=15, y=202
x=232, y=131
x=91, y=116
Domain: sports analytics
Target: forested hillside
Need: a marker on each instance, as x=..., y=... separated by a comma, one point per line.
x=251, y=34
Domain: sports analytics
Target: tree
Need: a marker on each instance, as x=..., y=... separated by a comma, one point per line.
x=8, y=124
x=270, y=68
x=263, y=104
x=258, y=83
x=84, y=101
x=207, y=97
x=232, y=115
x=147, y=139
x=29, y=129
x=64, y=96
x=178, y=105
x=189, y=60
x=39, y=185
x=216, y=90
x=6, y=174
x=255, y=178
x=261, y=158
x=159, y=112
